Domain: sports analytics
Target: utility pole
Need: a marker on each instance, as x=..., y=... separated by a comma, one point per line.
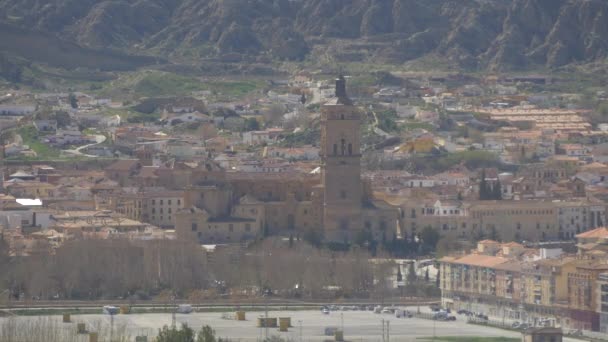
x=173, y=319
x=266, y=313
x=300, y=323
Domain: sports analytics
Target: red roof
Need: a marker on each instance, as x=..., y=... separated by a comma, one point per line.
x=597, y=233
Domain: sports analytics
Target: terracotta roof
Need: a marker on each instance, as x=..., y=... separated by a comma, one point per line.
x=598, y=233
x=480, y=260
x=488, y=242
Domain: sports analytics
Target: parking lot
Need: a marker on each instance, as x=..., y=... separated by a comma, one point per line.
x=307, y=325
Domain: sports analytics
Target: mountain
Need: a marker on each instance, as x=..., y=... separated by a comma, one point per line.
x=474, y=34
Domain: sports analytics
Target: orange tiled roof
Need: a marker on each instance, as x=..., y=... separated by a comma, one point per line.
x=488, y=242
x=601, y=232
x=480, y=260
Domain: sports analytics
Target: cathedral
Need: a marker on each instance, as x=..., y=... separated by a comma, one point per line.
x=347, y=203
x=338, y=205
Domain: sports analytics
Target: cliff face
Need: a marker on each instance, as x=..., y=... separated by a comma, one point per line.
x=495, y=34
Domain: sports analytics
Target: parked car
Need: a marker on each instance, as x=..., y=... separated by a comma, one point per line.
x=184, y=308
x=110, y=310
x=387, y=311
x=378, y=309
x=481, y=316
x=325, y=311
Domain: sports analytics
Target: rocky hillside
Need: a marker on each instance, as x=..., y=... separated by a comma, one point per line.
x=476, y=34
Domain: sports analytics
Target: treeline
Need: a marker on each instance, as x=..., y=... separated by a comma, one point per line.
x=95, y=269
x=140, y=270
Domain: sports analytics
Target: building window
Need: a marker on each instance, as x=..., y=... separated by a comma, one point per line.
x=194, y=227
x=169, y=202
x=335, y=149
x=343, y=146
x=350, y=149
x=231, y=227
x=153, y=210
x=161, y=202
x=169, y=210
x=343, y=194
x=161, y=210
x=153, y=202
x=179, y=202
x=247, y=227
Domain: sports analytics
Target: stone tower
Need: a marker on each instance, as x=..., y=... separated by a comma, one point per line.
x=341, y=166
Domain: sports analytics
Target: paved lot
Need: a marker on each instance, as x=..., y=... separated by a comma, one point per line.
x=358, y=325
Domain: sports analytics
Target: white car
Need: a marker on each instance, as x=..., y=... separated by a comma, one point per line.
x=184, y=308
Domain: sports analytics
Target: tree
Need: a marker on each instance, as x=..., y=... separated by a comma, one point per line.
x=184, y=334
x=494, y=234
x=429, y=237
x=483, y=186
x=206, y=334
x=497, y=190
x=274, y=114
x=251, y=124
x=412, y=279
x=73, y=101
x=437, y=280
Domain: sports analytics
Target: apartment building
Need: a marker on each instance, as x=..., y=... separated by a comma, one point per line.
x=511, y=281
x=530, y=220
x=157, y=208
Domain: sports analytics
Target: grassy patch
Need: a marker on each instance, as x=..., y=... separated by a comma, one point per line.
x=413, y=125
x=470, y=339
x=162, y=84
x=30, y=137
x=232, y=88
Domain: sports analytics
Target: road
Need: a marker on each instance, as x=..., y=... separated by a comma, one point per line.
x=99, y=138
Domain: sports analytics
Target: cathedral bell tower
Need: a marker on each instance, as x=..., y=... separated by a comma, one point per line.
x=341, y=166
